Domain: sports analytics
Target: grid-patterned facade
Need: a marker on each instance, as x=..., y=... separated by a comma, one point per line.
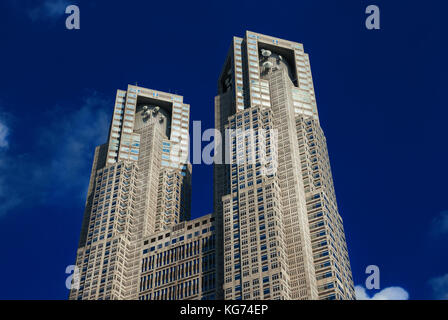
x=290, y=245
x=140, y=185
x=180, y=263
x=332, y=263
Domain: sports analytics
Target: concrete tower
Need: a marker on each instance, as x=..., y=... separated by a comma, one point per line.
x=140, y=185
x=282, y=236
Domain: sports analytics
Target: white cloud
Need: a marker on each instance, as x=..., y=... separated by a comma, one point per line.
x=439, y=224
x=4, y=132
x=439, y=287
x=389, y=293
x=361, y=293
x=73, y=138
x=56, y=165
x=49, y=9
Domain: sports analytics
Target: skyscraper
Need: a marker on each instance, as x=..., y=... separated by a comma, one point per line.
x=275, y=232
x=140, y=185
x=282, y=235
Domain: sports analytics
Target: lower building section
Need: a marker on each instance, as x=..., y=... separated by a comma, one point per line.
x=255, y=265
x=180, y=263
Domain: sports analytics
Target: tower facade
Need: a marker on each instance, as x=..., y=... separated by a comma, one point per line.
x=140, y=185
x=180, y=263
x=282, y=235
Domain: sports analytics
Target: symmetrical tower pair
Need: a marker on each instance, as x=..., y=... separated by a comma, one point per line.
x=275, y=232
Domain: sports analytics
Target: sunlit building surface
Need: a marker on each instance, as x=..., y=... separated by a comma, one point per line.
x=281, y=235
x=140, y=185
x=180, y=263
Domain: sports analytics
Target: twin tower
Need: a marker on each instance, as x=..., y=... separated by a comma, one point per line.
x=275, y=232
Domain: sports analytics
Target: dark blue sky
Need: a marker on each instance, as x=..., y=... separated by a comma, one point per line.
x=381, y=97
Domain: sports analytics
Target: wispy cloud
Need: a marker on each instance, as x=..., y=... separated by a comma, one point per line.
x=74, y=137
x=49, y=9
x=389, y=293
x=4, y=132
x=439, y=224
x=59, y=169
x=439, y=287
